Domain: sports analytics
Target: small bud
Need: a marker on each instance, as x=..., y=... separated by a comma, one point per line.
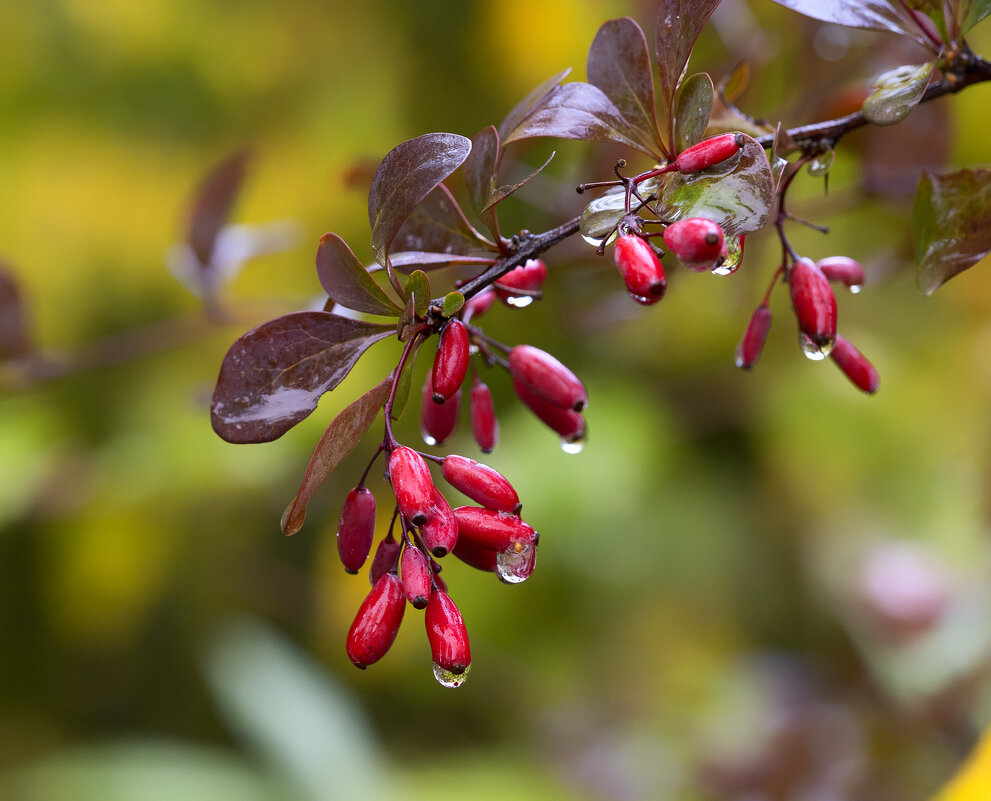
x=437, y=421
x=451, y=361
x=484, y=424
x=490, y=529
x=529, y=277
x=412, y=484
x=698, y=242
x=843, y=269
x=377, y=622
x=641, y=269
x=477, y=305
x=547, y=377
x=385, y=559
x=415, y=571
x=440, y=532
x=815, y=307
x=570, y=425
x=447, y=635
x=356, y=528
x=750, y=347
x=708, y=152
x=481, y=483
x=852, y=362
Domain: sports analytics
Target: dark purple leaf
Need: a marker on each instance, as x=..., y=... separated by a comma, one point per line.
x=341, y=437
x=677, y=26
x=619, y=64
x=952, y=222
x=579, y=111
x=212, y=203
x=502, y=192
x=346, y=280
x=273, y=376
x=692, y=110
x=408, y=260
x=14, y=340
x=523, y=108
x=406, y=176
x=874, y=15
x=481, y=166
x=439, y=225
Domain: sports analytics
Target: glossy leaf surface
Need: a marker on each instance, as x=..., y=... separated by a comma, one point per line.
x=692, y=110
x=212, y=203
x=273, y=376
x=409, y=260
x=526, y=105
x=874, y=15
x=347, y=282
x=438, y=225
x=481, y=166
x=407, y=174
x=341, y=437
x=896, y=92
x=952, y=222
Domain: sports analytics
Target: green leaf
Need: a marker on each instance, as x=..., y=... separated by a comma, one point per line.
x=453, y=301
x=896, y=92
x=418, y=288
x=977, y=10
x=692, y=110
x=346, y=280
x=406, y=320
x=341, y=437
x=405, y=384
x=952, y=222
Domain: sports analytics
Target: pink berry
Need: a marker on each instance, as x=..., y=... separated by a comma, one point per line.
x=481, y=483
x=438, y=421
x=451, y=361
x=641, y=269
x=385, y=559
x=529, y=277
x=750, y=347
x=447, y=634
x=490, y=529
x=476, y=556
x=412, y=484
x=484, y=424
x=547, y=377
x=356, y=528
x=843, y=269
x=377, y=622
x=415, y=571
x=814, y=303
x=698, y=242
x=440, y=532
x=708, y=152
x=477, y=305
x=570, y=425
x=857, y=368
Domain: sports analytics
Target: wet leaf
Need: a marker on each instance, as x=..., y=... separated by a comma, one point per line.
x=346, y=280
x=896, y=92
x=273, y=376
x=439, y=225
x=874, y=15
x=481, y=166
x=692, y=110
x=525, y=106
x=453, y=301
x=401, y=400
x=409, y=260
x=408, y=173
x=952, y=222
x=619, y=64
x=579, y=111
x=341, y=437
x=14, y=340
x=418, y=288
x=501, y=193
x=212, y=203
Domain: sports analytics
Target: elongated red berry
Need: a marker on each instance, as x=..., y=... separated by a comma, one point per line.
x=412, y=484
x=477, y=305
x=856, y=366
x=641, y=269
x=440, y=532
x=415, y=571
x=377, y=622
x=356, y=528
x=484, y=424
x=843, y=269
x=547, y=377
x=750, y=347
x=569, y=424
x=481, y=483
x=698, y=242
x=448, y=639
x=451, y=361
x=815, y=307
x=708, y=152
x=438, y=421
x=490, y=529
x=529, y=277
x=386, y=556
x=475, y=555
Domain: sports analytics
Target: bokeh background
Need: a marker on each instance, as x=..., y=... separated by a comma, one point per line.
x=751, y=586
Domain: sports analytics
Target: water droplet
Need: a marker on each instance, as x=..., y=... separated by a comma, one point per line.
x=820, y=165
x=516, y=563
x=597, y=241
x=734, y=255
x=816, y=351
x=519, y=301
x=449, y=679
x=431, y=441
x=855, y=289
x=573, y=444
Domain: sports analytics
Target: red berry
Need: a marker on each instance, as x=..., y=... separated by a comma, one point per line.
x=815, y=307
x=437, y=421
x=356, y=528
x=708, y=152
x=547, y=377
x=377, y=622
x=529, y=277
x=750, y=347
x=412, y=484
x=475, y=555
x=570, y=425
x=698, y=242
x=484, y=425
x=440, y=532
x=490, y=529
x=448, y=639
x=385, y=559
x=481, y=483
x=641, y=269
x=415, y=570
x=451, y=361
x=857, y=368
x=479, y=304
x=843, y=269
